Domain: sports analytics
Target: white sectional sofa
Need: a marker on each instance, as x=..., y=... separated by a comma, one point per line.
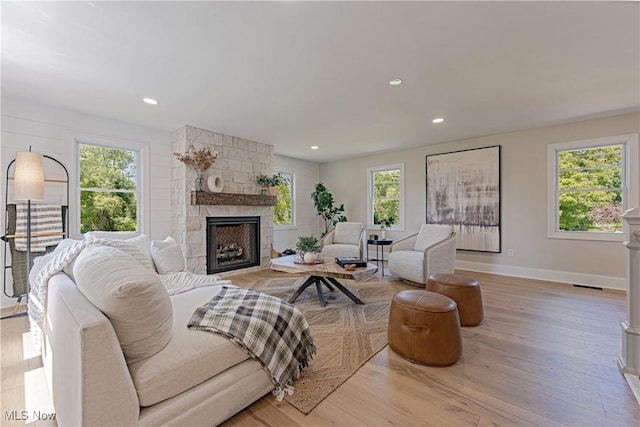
x=198, y=379
x=133, y=361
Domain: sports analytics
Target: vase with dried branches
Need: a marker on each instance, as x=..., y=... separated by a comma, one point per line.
x=200, y=159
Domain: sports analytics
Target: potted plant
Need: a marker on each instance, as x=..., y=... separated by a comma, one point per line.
x=307, y=247
x=385, y=223
x=269, y=183
x=263, y=181
x=323, y=202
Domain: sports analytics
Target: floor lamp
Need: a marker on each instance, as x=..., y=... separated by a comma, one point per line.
x=28, y=185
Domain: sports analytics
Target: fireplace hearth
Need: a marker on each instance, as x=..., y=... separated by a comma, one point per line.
x=232, y=243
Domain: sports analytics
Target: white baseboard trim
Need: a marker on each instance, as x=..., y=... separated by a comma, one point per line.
x=606, y=282
x=634, y=384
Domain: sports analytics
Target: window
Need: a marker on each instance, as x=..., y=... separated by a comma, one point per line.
x=283, y=213
x=591, y=183
x=109, y=188
x=386, y=196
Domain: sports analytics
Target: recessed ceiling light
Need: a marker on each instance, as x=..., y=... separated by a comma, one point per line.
x=395, y=82
x=150, y=101
x=437, y=120
x=314, y=147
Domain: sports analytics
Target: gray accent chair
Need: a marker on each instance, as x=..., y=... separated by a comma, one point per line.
x=430, y=251
x=346, y=239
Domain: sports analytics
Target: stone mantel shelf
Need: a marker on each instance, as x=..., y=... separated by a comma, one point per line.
x=207, y=198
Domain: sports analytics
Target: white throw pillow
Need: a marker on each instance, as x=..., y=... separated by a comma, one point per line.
x=348, y=233
x=115, y=235
x=431, y=234
x=132, y=297
x=167, y=256
x=143, y=243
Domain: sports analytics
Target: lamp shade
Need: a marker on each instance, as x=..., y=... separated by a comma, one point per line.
x=29, y=176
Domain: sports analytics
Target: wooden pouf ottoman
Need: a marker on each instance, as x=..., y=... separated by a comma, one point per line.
x=424, y=327
x=465, y=291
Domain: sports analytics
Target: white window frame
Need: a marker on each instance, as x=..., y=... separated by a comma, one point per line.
x=401, y=219
x=142, y=177
x=629, y=143
x=293, y=201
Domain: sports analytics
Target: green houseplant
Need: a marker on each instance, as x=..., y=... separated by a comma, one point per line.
x=323, y=202
x=307, y=247
x=269, y=183
x=386, y=223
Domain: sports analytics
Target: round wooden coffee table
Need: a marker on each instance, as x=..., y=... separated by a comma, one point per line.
x=324, y=273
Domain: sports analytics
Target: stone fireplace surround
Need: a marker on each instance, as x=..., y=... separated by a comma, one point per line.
x=239, y=162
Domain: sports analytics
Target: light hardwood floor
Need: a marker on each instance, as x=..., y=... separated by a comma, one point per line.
x=545, y=355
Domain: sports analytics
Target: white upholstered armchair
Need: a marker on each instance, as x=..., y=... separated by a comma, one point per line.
x=432, y=250
x=344, y=240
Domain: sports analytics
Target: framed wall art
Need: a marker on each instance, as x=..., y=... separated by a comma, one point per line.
x=463, y=190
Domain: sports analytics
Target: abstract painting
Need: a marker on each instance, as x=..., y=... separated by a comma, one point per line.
x=463, y=190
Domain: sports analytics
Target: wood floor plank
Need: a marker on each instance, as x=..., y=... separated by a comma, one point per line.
x=11, y=405
x=471, y=393
x=12, y=362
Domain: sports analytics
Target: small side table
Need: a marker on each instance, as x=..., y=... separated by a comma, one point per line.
x=378, y=243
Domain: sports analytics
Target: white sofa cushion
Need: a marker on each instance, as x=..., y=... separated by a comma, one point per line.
x=133, y=298
x=143, y=243
x=431, y=234
x=167, y=256
x=347, y=233
x=191, y=356
x=140, y=241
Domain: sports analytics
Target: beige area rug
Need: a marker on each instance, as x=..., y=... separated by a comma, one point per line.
x=346, y=334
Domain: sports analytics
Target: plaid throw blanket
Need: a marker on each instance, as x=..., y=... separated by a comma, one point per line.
x=268, y=328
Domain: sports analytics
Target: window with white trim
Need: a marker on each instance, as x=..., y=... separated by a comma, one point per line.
x=386, y=196
x=590, y=184
x=284, y=211
x=109, y=188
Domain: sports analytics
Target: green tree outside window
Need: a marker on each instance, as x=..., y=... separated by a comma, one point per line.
x=108, y=190
x=283, y=211
x=590, y=189
x=386, y=196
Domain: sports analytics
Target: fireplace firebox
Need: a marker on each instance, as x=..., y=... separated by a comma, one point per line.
x=232, y=243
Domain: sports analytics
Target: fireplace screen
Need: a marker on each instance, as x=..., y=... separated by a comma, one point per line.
x=232, y=243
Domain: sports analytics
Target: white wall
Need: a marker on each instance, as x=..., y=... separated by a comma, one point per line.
x=50, y=131
x=524, y=203
x=306, y=176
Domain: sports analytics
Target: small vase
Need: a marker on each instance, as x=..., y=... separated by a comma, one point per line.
x=309, y=257
x=384, y=234
x=201, y=182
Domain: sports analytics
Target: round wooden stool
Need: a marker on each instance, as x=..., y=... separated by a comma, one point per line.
x=465, y=291
x=424, y=327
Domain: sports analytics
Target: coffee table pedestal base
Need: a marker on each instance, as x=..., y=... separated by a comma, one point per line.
x=328, y=282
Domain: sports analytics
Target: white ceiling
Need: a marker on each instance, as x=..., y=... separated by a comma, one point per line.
x=296, y=74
